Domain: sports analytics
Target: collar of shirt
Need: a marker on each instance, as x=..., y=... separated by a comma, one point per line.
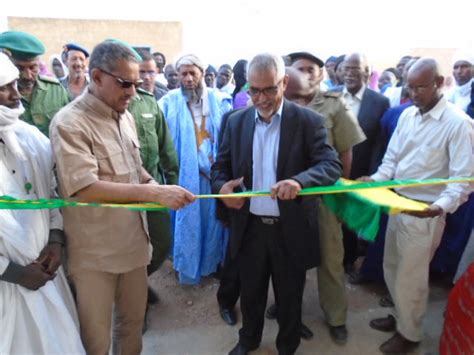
x=358, y=95
x=436, y=112
x=275, y=115
x=40, y=84
x=100, y=107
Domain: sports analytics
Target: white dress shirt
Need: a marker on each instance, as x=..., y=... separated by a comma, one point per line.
x=266, y=140
x=354, y=101
x=437, y=144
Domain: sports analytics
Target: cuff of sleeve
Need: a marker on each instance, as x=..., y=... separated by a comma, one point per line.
x=57, y=236
x=379, y=177
x=445, y=203
x=72, y=187
x=217, y=186
x=301, y=185
x=13, y=273
x=300, y=179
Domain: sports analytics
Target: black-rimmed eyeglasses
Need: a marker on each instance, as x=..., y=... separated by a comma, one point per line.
x=124, y=84
x=268, y=91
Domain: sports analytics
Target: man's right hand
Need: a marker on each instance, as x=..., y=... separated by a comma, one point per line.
x=171, y=196
x=34, y=277
x=228, y=188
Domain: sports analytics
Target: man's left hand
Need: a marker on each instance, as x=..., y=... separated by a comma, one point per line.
x=286, y=189
x=50, y=257
x=430, y=212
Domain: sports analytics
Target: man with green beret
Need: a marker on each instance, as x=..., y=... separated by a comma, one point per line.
x=42, y=96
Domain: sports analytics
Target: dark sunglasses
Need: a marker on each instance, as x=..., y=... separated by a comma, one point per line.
x=124, y=84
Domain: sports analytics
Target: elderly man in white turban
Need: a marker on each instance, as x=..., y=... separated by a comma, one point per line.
x=37, y=312
x=463, y=72
x=193, y=114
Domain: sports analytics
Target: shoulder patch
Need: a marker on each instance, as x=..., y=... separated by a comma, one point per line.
x=49, y=79
x=335, y=94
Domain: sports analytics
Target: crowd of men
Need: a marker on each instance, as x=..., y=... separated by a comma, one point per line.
x=126, y=127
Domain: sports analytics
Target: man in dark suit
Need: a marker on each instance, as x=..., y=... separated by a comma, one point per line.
x=368, y=106
x=279, y=146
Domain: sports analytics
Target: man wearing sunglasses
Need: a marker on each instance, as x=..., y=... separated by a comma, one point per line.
x=98, y=160
x=41, y=96
x=280, y=147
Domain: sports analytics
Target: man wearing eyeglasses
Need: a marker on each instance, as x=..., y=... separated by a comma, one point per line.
x=368, y=106
x=343, y=133
x=193, y=114
x=280, y=147
x=41, y=96
x=98, y=160
x=433, y=139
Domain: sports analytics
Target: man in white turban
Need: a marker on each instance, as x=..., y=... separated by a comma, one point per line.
x=463, y=72
x=37, y=311
x=193, y=114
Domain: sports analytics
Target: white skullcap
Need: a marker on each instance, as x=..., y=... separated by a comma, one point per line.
x=8, y=71
x=463, y=56
x=190, y=59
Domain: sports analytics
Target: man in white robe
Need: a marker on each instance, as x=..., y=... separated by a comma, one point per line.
x=37, y=311
x=463, y=72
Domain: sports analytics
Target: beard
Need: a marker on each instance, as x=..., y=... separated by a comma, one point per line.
x=192, y=95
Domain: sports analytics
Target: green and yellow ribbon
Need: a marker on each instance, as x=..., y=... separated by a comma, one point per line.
x=377, y=191
x=358, y=204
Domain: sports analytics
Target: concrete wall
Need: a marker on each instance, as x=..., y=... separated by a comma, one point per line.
x=165, y=37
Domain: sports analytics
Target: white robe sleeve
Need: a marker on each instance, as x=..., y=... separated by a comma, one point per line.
x=3, y=264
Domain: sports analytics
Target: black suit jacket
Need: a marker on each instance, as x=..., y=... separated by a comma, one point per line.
x=367, y=156
x=303, y=155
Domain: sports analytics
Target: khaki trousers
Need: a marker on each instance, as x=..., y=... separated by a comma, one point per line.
x=410, y=244
x=97, y=292
x=331, y=279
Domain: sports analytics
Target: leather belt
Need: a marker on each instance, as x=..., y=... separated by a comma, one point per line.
x=268, y=220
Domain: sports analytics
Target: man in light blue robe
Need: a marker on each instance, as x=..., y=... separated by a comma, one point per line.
x=193, y=113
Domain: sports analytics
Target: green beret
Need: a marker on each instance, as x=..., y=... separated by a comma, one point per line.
x=21, y=45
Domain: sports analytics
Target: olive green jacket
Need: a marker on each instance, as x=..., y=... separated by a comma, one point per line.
x=156, y=146
x=48, y=97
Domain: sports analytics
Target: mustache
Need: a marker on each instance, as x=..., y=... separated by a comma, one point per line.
x=25, y=83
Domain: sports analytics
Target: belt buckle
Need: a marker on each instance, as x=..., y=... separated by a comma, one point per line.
x=266, y=220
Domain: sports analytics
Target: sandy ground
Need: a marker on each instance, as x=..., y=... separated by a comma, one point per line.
x=187, y=321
